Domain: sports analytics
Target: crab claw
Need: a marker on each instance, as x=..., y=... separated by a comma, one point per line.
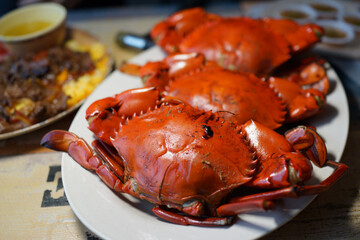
x=130, y=68
x=77, y=148
x=309, y=72
x=314, y=74
x=308, y=141
x=137, y=100
x=169, y=33
x=106, y=116
x=184, y=63
x=301, y=103
x=159, y=73
x=281, y=166
x=300, y=37
x=305, y=105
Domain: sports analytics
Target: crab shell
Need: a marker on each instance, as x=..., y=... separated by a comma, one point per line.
x=249, y=45
x=237, y=96
x=178, y=155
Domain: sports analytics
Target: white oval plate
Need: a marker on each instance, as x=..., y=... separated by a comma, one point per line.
x=119, y=216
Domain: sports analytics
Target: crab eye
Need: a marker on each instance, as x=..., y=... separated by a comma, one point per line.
x=208, y=132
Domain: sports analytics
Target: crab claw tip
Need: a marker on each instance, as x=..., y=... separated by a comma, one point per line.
x=57, y=140
x=307, y=140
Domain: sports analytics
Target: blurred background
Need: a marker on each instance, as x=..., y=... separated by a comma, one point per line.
x=7, y=5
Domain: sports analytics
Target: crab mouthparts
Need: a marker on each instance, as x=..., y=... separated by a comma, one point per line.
x=208, y=132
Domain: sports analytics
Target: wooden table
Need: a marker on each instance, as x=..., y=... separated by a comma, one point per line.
x=33, y=204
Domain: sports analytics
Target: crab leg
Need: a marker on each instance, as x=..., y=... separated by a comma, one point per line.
x=110, y=156
x=245, y=206
x=225, y=213
x=297, y=190
x=76, y=147
x=81, y=152
x=159, y=73
x=190, y=220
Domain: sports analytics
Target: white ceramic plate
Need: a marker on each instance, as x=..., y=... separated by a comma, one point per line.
x=119, y=216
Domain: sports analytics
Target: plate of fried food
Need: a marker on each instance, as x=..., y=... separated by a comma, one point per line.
x=42, y=87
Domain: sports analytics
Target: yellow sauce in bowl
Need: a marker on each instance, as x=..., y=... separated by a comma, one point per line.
x=294, y=14
x=353, y=20
x=323, y=7
x=27, y=28
x=333, y=32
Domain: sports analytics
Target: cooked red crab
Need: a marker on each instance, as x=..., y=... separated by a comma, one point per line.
x=242, y=43
x=187, y=161
x=237, y=96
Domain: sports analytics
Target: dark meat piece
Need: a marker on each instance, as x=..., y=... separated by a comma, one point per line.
x=30, y=82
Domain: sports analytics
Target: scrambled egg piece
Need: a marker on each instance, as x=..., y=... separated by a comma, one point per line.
x=79, y=89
